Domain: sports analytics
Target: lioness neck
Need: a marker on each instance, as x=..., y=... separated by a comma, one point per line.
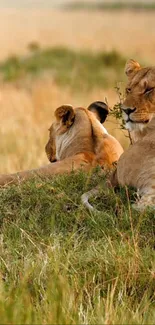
x=137, y=135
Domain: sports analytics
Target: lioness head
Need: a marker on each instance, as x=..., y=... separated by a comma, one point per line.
x=64, y=118
x=71, y=131
x=139, y=105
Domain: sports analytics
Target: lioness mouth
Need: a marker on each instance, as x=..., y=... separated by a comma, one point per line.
x=138, y=122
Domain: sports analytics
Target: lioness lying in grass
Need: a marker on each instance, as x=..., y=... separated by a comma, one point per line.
x=77, y=140
x=136, y=166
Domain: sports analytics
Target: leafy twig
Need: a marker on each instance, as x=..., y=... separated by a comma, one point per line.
x=116, y=111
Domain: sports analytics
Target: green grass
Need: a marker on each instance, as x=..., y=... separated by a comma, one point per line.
x=77, y=70
x=62, y=265
x=116, y=5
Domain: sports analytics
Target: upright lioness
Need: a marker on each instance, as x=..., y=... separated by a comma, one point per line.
x=77, y=140
x=136, y=166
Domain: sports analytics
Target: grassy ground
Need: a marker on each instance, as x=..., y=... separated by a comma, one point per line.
x=62, y=265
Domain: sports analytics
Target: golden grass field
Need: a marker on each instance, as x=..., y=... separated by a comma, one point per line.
x=26, y=111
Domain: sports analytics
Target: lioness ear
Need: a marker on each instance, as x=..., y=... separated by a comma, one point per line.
x=66, y=114
x=100, y=109
x=131, y=68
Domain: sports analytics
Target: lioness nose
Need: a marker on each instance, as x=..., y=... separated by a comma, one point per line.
x=129, y=110
x=52, y=160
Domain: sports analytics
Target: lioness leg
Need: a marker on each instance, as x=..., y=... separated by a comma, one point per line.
x=83, y=160
x=147, y=200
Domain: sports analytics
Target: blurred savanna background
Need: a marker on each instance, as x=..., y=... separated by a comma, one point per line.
x=56, y=52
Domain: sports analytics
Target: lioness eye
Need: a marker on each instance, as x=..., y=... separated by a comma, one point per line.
x=128, y=90
x=148, y=90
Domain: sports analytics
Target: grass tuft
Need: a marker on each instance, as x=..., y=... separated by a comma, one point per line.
x=62, y=265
